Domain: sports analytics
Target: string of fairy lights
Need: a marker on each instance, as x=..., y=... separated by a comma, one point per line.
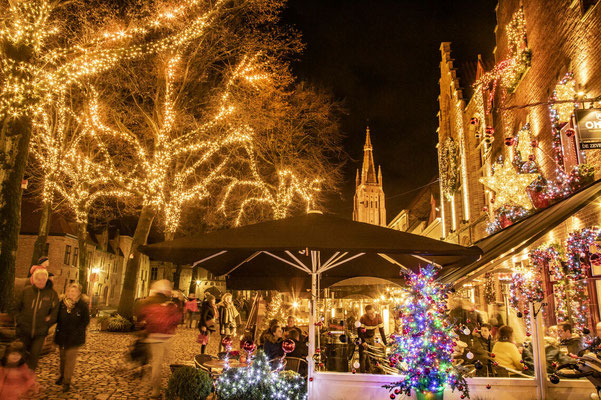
x=34, y=72
x=74, y=149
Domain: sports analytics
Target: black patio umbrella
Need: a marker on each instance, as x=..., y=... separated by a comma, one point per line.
x=312, y=246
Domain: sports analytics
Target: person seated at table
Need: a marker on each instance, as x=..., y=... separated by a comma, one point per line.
x=506, y=352
x=291, y=326
x=570, y=344
x=265, y=333
x=273, y=343
x=300, y=349
x=482, y=345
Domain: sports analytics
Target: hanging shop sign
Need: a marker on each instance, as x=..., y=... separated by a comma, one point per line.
x=589, y=128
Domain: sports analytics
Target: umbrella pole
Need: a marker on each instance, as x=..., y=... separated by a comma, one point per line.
x=311, y=353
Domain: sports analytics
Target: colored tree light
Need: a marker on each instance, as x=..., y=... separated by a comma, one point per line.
x=423, y=351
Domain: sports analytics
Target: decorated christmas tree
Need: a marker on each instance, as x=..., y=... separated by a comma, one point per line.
x=423, y=350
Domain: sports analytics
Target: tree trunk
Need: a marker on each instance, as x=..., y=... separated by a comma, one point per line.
x=170, y=266
x=128, y=293
x=193, y=280
x=14, y=149
x=82, y=236
x=40, y=243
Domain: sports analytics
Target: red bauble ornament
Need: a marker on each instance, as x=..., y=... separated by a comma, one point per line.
x=490, y=131
x=484, y=209
x=570, y=132
x=288, y=346
x=488, y=386
x=528, y=334
x=392, y=396
x=531, y=158
x=248, y=345
x=509, y=141
x=354, y=371
x=227, y=342
x=318, y=350
x=474, y=121
x=397, y=391
x=311, y=379
x=534, y=143
x=492, y=355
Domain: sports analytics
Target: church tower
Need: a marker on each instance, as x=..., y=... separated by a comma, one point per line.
x=369, y=201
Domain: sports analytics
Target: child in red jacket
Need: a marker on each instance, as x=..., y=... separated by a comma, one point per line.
x=16, y=379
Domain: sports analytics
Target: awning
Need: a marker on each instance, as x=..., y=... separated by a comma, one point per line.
x=522, y=234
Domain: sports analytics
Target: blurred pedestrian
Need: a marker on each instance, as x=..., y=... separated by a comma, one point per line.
x=36, y=308
x=191, y=310
x=72, y=321
x=206, y=322
x=229, y=318
x=16, y=379
x=160, y=316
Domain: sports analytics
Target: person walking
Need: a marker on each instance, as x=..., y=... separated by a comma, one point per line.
x=191, y=310
x=72, y=321
x=160, y=317
x=206, y=322
x=229, y=318
x=36, y=309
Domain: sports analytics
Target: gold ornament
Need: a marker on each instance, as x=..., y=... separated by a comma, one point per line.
x=510, y=186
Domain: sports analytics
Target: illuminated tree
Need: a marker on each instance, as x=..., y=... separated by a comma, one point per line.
x=69, y=165
x=47, y=47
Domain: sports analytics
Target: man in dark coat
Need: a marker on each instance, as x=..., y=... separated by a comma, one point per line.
x=482, y=345
x=36, y=308
x=569, y=344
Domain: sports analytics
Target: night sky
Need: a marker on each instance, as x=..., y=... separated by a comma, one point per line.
x=381, y=58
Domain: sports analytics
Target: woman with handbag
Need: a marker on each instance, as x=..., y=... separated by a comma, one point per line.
x=206, y=323
x=229, y=318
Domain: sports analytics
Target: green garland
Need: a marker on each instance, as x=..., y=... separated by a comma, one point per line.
x=449, y=168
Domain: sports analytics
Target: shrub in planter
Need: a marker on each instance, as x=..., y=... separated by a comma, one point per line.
x=189, y=383
x=118, y=324
x=292, y=385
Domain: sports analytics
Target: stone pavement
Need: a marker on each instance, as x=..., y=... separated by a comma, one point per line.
x=103, y=371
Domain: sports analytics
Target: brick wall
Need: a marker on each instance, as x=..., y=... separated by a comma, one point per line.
x=562, y=39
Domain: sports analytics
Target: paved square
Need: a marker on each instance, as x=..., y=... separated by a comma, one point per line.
x=104, y=372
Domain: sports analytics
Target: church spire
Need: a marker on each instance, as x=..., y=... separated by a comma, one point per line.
x=369, y=200
x=368, y=172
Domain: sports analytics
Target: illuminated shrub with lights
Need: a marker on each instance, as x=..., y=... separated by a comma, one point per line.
x=259, y=382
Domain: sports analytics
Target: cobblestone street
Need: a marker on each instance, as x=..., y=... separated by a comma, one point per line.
x=103, y=370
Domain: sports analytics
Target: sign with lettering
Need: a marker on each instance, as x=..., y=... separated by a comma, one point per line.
x=589, y=128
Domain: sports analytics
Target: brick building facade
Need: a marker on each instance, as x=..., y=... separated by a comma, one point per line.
x=518, y=115
x=106, y=260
